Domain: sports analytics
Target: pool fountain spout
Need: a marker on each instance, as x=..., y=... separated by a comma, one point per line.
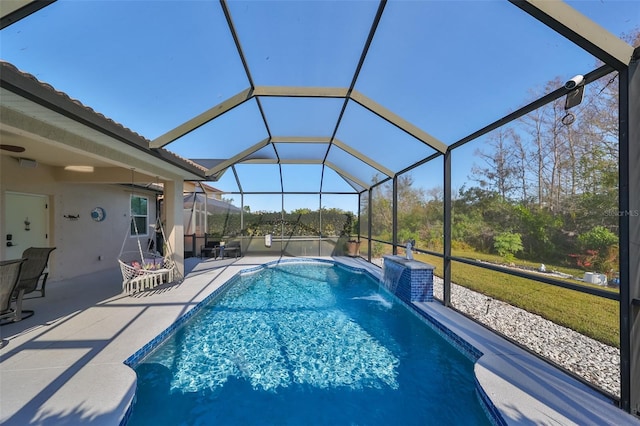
x=408, y=249
x=409, y=279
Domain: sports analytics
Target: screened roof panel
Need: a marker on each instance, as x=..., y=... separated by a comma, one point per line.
x=301, y=116
x=265, y=153
x=227, y=135
x=380, y=140
x=227, y=182
x=351, y=167
x=302, y=43
x=333, y=182
x=132, y=61
x=301, y=151
x=452, y=85
x=619, y=17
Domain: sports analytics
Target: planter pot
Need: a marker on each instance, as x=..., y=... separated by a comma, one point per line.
x=353, y=248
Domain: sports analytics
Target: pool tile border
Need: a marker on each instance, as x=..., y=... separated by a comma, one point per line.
x=471, y=352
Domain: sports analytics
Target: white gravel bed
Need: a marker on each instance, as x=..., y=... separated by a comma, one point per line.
x=594, y=361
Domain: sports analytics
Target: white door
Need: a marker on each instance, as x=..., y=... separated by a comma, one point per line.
x=27, y=223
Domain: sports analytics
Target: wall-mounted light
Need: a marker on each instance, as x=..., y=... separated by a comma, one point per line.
x=81, y=169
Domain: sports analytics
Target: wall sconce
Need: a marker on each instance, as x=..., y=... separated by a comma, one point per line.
x=27, y=224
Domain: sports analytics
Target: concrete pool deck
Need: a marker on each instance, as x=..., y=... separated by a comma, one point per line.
x=64, y=365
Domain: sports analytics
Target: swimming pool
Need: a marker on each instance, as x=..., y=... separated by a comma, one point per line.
x=302, y=344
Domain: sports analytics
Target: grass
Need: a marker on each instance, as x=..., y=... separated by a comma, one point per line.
x=575, y=272
x=589, y=315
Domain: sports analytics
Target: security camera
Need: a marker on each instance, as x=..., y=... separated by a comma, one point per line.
x=574, y=82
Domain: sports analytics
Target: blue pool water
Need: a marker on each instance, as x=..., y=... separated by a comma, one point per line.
x=306, y=344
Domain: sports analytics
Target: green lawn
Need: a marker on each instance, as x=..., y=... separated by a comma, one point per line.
x=592, y=316
x=493, y=258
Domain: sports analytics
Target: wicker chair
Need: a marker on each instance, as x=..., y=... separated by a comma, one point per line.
x=9, y=278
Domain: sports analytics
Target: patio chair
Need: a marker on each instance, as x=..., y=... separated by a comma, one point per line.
x=9, y=278
x=209, y=249
x=33, y=270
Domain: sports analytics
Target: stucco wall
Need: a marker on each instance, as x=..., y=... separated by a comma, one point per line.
x=80, y=243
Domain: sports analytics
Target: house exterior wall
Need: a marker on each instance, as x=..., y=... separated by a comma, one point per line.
x=83, y=245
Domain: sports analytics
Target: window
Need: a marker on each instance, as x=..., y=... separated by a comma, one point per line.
x=139, y=213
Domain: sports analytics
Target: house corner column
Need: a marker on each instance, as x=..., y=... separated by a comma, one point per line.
x=174, y=222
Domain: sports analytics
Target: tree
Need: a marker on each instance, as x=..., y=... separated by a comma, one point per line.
x=499, y=173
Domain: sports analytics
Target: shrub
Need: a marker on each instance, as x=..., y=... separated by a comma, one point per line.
x=507, y=244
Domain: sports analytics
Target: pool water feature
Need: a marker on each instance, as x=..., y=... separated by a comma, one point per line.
x=391, y=274
x=306, y=344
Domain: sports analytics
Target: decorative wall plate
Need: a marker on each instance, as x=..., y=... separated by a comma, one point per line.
x=98, y=214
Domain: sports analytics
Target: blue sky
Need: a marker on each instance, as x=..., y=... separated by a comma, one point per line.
x=447, y=67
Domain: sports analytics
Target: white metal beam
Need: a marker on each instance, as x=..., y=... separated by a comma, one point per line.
x=201, y=119
x=301, y=92
x=344, y=174
x=238, y=157
x=360, y=156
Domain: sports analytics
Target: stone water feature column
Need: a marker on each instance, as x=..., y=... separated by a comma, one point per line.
x=410, y=280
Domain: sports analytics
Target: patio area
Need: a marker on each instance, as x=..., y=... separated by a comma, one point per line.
x=89, y=330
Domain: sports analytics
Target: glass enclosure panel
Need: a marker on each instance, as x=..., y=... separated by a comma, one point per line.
x=372, y=136
x=334, y=34
x=302, y=178
x=259, y=177
x=301, y=116
x=451, y=86
x=223, y=137
x=421, y=206
x=131, y=61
